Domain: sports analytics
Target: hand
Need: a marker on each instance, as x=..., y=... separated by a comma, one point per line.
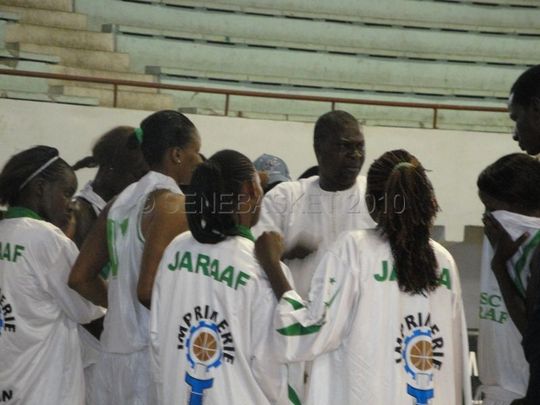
x=269, y=248
x=500, y=240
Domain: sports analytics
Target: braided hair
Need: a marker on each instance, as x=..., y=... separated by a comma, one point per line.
x=215, y=194
x=404, y=205
x=24, y=167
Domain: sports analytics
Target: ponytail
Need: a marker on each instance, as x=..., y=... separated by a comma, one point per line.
x=115, y=148
x=215, y=194
x=87, y=162
x=405, y=207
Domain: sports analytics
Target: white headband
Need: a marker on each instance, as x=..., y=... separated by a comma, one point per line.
x=38, y=171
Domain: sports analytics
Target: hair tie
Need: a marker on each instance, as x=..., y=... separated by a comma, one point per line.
x=139, y=135
x=38, y=171
x=402, y=164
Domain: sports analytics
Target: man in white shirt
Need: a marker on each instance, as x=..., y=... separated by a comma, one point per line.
x=311, y=213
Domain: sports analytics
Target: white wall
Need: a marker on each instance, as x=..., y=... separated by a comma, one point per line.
x=454, y=157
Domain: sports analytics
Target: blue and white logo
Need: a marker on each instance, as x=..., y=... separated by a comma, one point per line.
x=204, y=351
x=419, y=350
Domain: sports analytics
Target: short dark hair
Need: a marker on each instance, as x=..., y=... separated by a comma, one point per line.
x=331, y=123
x=163, y=130
x=513, y=179
x=527, y=86
x=215, y=185
x=21, y=166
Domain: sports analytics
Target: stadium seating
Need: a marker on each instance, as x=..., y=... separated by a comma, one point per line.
x=424, y=51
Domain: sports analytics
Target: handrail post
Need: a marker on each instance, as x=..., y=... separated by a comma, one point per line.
x=333, y=107
x=115, y=95
x=435, y=110
x=226, y=105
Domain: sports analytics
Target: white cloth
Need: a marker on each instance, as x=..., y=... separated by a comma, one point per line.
x=88, y=194
x=128, y=373
x=503, y=369
x=40, y=354
x=307, y=215
x=211, y=321
x=371, y=343
x=126, y=325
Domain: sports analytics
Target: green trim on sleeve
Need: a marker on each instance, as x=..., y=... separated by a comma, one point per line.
x=295, y=304
x=520, y=264
x=298, y=330
x=293, y=396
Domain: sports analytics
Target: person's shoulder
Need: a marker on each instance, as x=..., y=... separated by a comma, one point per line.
x=352, y=243
x=43, y=234
x=182, y=239
x=83, y=209
x=287, y=188
x=362, y=237
x=442, y=254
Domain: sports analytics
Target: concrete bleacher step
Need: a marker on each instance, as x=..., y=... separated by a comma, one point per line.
x=527, y=3
x=104, y=74
x=434, y=14
x=242, y=30
x=42, y=97
x=7, y=15
x=11, y=57
x=126, y=99
x=308, y=111
x=62, y=37
x=49, y=18
x=58, y=5
x=83, y=58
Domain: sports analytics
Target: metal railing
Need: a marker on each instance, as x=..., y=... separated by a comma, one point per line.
x=116, y=83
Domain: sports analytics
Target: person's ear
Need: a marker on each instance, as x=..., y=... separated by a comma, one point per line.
x=176, y=155
x=38, y=188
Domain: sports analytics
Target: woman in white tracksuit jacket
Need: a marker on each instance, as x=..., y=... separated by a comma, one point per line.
x=212, y=306
x=131, y=234
x=384, y=322
x=40, y=353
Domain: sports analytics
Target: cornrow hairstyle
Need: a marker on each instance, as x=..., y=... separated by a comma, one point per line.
x=215, y=194
x=163, y=130
x=332, y=122
x=24, y=164
x=527, y=86
x=513, y=179
x=404, y=204
x=112, y=149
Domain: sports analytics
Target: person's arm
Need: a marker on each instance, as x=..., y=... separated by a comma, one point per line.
x=310, y=328
x=94, y=255
x=155, y=346
x=505, y=248
x=84, y=219
x=166, y=221
x=58, y=257
x=268, y=250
